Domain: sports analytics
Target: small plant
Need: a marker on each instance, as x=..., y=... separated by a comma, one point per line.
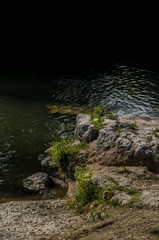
x=114, y=181
x=117, y=128
x=86, y=190
x=98, y=112
x=132, y=191
x=133, y=126
x=65, y=151
x=98, y=123
x=112, y=116
x=149, y=138
x=124, y=170
x=96, y=116
x=156, y=133
x=66, y=180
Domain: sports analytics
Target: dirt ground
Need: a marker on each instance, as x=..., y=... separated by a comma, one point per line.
x=54, y=220
x=121, y=223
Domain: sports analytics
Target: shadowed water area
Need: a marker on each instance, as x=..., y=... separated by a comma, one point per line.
x=27, y=127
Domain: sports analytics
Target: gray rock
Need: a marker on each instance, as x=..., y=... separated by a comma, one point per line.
x=48, y=163
x=37, y=182
x=150, y=198
x=122, y=197
x=126, y=146
x=85, y=130
x=40, y=157
x=49, y=149
x=58, y=182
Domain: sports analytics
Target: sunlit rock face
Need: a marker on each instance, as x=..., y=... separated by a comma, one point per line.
x=128, y=141
x=85, y=130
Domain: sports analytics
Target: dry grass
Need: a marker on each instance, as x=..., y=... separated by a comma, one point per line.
x=121, y=223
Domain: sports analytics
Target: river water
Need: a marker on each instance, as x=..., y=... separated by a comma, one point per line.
x=27, y=128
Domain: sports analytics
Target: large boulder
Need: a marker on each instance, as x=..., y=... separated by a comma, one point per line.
x=85, y=130
x=37, y=183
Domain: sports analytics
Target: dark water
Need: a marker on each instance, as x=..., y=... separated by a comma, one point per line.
x=27, y=128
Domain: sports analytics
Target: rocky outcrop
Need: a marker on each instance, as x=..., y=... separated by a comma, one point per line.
x=129, y=141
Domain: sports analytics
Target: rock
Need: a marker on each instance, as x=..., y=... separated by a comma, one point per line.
x=58, y=182
x=48, y=163
x=150, y=198
x=122, y=198
x=69, y=110
x=121, y=143
x=48, y=150
x=37, y=182
x=71, y=189
x=85, y=130
x=40, y=157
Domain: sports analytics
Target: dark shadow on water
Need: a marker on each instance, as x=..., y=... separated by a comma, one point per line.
x=54, y=193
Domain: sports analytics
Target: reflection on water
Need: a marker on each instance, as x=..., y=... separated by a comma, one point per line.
x=130, y=91
x=26, y=127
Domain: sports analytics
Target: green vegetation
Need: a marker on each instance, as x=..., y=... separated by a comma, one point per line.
x=133, y=126
x=124, y=170
x=65, y=152
x=117, y=128
x=149, y=138
x=112, y=116
x=98, y=113
x=96, y=117
x=156, y=133
x=132, y=191
x=98, y=123
x=114, y=181
x=86, y=190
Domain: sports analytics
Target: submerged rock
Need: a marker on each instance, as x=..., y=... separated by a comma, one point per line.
x=69, y=110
